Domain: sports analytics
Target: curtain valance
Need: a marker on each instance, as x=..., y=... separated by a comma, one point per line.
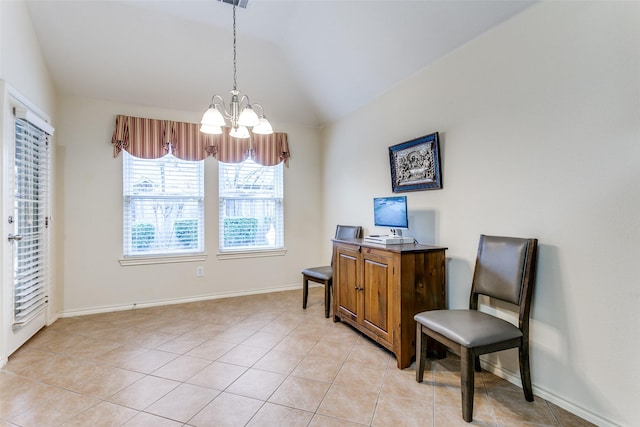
x=152, y=139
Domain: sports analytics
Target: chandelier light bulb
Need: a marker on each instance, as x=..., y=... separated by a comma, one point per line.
x=239, y=132
x=263, y=128
x=212, y=117
x=248, y=117
x=210, y=129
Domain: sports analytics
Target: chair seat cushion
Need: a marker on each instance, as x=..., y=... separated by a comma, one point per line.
x=320, y=273
x=469, y=328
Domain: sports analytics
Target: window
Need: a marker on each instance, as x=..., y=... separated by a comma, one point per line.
x=163, y=206
x=250, y=206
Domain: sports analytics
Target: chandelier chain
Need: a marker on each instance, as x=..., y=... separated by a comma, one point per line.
x=235, y=82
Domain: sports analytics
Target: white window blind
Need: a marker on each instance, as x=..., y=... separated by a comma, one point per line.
x=251, y=206
x=163, y=206
x=30, y=265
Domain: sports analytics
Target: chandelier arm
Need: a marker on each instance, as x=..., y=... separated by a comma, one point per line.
x=245, y=98
x=222, y=104
x=261, y=109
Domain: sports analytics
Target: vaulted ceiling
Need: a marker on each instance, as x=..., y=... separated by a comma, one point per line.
x=307, y=61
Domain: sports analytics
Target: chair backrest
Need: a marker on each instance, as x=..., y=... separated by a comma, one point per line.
x=505, y=269
x=348, y=232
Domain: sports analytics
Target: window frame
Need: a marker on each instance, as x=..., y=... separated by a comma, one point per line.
x=224, y=195
x=173, y=253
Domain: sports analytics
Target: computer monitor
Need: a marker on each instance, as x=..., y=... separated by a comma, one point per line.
x=391, y=212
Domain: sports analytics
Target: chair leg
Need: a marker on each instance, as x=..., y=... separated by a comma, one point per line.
x=525, y=372
x=421, y=353
x=467, y=382
x=327, y=297
x=305, y=291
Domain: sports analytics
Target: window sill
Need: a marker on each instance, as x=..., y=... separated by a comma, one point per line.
x=251, y=254
x=166, y=259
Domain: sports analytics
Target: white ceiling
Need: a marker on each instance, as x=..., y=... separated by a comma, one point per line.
x=307, y=61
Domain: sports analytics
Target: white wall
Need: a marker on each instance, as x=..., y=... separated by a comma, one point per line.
x=539, y=122
x=22, y=63
x=23, y=68
x=92, y=187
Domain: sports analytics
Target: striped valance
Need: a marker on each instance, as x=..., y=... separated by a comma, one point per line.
x=152, y=139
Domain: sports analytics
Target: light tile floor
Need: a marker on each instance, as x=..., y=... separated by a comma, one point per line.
x=257, y=361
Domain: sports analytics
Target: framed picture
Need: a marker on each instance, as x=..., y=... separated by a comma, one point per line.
x=415, y=164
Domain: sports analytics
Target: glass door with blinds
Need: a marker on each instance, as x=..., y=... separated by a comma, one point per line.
x=27, y=220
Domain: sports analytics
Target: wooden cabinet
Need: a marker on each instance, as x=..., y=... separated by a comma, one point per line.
x=378, y=289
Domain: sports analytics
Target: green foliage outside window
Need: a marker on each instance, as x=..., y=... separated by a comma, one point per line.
x=240, y=231
x=142, y=236
x=186, y=232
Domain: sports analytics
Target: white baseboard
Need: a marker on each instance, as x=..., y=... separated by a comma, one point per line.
x=52, y=319
x=514, y=378
x=157, y=303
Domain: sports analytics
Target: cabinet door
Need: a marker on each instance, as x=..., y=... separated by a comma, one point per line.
x=376, y=313
x=345, y=284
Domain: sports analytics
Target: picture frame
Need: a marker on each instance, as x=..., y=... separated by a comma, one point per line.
x=415, y=164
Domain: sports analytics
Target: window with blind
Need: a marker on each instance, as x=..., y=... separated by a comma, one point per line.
x=251, y=207
x=163, y=206
x=30, y=264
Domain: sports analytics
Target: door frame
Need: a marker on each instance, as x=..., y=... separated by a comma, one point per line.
x=10, y=98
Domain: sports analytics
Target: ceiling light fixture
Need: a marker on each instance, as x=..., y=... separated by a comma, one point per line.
x=241, y=114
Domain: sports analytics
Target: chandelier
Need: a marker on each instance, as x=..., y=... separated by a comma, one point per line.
x=240, y=114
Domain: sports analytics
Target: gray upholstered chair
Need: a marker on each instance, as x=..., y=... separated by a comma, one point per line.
x=505, y=270
x=324, y=274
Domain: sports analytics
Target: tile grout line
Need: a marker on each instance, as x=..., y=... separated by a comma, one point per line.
x=202, y=315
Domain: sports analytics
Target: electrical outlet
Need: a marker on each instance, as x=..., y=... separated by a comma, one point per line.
x=200, y=271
